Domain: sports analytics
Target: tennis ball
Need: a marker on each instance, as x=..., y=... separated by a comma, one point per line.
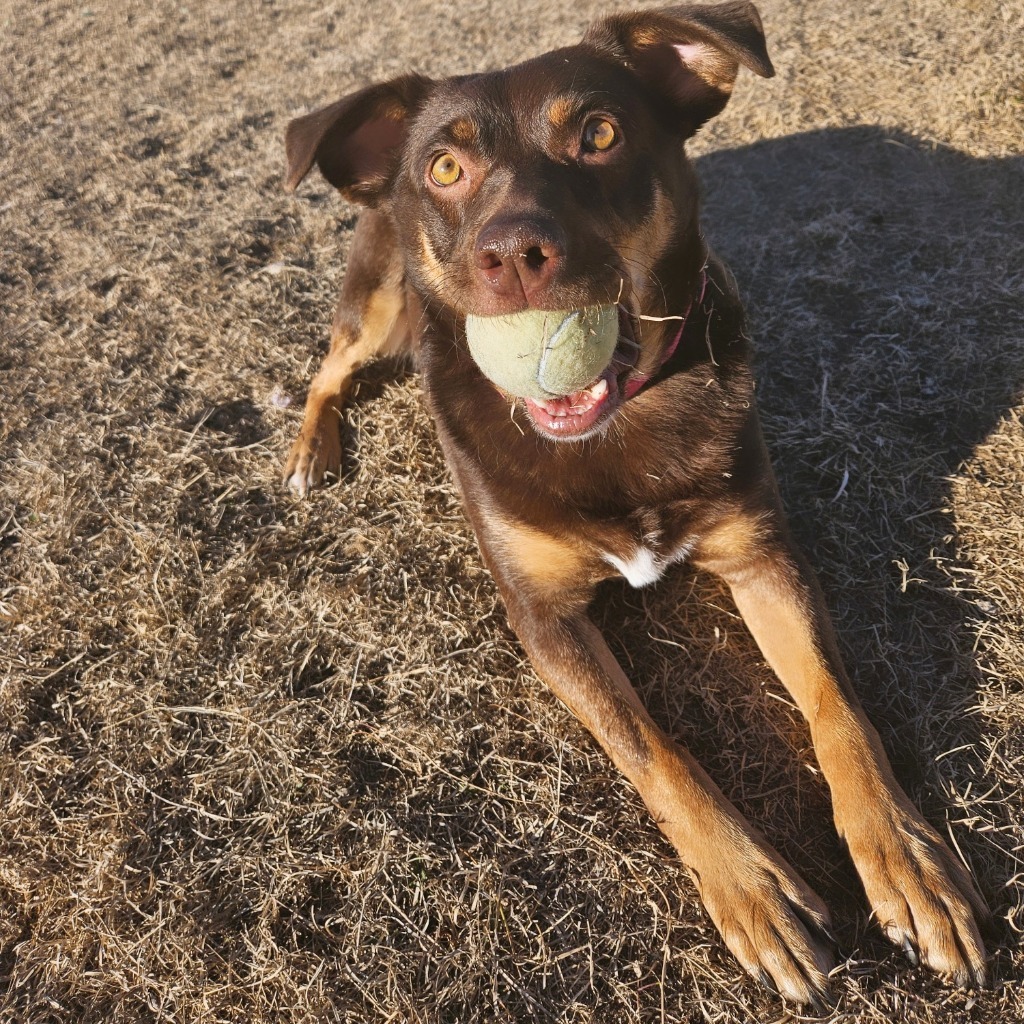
x=544, y=353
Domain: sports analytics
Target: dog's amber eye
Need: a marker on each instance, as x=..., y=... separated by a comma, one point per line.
x=445, y=170
x=599, y=135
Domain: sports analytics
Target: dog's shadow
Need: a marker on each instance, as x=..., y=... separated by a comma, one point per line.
x=883, y=280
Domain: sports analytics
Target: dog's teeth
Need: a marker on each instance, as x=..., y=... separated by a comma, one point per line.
x=560, y=411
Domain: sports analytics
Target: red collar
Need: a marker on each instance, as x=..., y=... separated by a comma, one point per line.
x=636, y=384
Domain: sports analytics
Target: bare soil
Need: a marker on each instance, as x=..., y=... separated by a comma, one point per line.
x=270, y=760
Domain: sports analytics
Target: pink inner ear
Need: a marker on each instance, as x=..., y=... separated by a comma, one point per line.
x=370, y=143
x=693, y=54
x=709, y=64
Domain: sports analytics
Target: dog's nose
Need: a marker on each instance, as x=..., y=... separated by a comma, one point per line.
x=516, y=255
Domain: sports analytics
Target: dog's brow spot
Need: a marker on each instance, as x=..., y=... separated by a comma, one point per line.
x=560, y=110
x=463, y=131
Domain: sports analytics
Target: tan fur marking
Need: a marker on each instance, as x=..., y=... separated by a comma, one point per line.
x=463, y=131
x=539, y=556
x=642, y=250
x=560, y=110
x=393, y=111
x=730, y=545
x=431, y=266
x=790, y=624
x=646, y=37
x=383, y=331
x=778, y=611
x=721, y=74
x=384, y=325
x=914, y=885
x=784, y=632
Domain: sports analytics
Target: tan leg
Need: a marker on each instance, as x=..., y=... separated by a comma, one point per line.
x=370, y=321
x=771, y=920
x=921, y=895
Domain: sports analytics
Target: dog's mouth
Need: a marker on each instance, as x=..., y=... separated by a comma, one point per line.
x=583, y=413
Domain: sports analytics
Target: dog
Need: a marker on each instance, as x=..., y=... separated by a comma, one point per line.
x=561, y=183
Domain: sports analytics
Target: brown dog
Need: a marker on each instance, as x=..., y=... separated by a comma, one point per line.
x=558, y=184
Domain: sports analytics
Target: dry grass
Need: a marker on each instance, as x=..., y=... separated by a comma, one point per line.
x=274, y=761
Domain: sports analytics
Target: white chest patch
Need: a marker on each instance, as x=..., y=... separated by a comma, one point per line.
x=646, y=566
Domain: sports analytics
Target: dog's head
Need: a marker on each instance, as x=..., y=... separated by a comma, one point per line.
x=555, y=184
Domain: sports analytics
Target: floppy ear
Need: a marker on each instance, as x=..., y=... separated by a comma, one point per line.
x=690, y=54
x=355, y=142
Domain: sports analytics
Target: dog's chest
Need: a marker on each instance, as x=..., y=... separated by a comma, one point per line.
x=643, y=561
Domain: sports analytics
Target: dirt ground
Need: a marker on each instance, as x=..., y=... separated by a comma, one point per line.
x=271, y=760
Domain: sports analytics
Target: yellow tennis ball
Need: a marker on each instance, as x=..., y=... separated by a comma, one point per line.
x=544, y=353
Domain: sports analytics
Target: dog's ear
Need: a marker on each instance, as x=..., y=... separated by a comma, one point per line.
x=690, y=54
x=355, y=142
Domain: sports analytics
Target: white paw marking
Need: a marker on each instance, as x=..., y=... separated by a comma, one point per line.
x=298, y=484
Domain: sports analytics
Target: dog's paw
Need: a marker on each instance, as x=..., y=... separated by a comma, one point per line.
x=315, y=454
x=921, y=895
x=773, y=922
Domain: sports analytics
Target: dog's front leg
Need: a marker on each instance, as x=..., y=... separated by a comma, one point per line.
x=922, y=896
x=370, y=321
x=771, y=920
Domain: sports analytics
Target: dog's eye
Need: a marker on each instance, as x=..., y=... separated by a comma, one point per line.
x=599, y=135
x=445, y=170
